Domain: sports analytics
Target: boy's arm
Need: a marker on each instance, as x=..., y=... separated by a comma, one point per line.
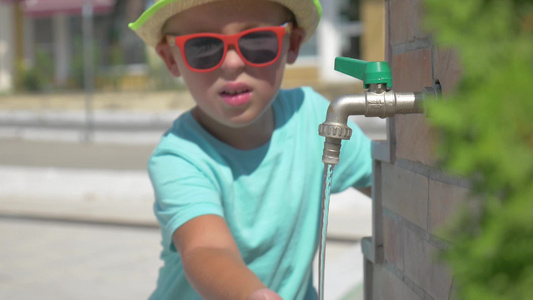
x=213, y=264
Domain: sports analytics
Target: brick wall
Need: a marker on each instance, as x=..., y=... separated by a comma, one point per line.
x=412, y=197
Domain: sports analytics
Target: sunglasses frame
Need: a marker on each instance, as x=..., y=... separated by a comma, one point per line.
x=230, y=40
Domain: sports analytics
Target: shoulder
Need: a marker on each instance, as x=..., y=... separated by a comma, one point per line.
x=301, y=93
x=178, y=139
x=302, y=99
x=185, y=147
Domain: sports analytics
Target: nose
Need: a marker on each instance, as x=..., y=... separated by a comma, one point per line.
x=233, y=61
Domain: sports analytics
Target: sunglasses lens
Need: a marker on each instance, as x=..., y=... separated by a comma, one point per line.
x=259, y=47
x=204, y=52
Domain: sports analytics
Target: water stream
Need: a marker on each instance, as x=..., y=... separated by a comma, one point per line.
x=326, y=188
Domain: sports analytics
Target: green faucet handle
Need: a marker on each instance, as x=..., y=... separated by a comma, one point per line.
x=369, y=72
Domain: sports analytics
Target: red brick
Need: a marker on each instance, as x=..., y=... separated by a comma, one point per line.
x=389, y=287
x=405, y=21
x=412, y=71
x=422, y=267
x=415, y=139
x=445, y=201
x=393, y=242
x=405, y=193
x=447, y=68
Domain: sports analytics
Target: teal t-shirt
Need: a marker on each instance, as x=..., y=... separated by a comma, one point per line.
x=270, y=196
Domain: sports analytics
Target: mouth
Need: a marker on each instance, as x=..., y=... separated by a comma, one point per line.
x=235, y=92
x=236, y=97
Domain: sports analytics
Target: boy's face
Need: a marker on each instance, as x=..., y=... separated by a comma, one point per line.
x=235, y=94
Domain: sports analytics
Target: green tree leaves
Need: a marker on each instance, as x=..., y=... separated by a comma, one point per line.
x=486, y=135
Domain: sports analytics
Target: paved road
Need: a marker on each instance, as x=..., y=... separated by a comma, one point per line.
x=74, y=155
x=62, y=260
x=47, y=259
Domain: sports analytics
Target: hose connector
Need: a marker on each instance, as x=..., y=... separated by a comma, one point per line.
x=334, y=134
x=338, y=131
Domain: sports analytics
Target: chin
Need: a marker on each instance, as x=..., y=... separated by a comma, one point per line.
x=238, y=124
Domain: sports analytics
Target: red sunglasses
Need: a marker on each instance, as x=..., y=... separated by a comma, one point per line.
x=258, y=47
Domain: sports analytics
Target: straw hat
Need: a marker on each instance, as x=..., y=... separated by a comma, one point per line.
x=150, y=23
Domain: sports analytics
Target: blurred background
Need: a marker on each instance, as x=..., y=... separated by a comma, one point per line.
x=82, y=104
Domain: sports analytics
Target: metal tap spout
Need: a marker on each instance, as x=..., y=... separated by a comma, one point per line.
x=376, y=102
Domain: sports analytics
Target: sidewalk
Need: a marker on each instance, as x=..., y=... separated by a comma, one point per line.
x=105, y=126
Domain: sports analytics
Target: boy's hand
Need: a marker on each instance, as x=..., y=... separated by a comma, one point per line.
x=264, y=294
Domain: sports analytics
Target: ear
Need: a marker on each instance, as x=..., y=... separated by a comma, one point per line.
x=295, y=42
x=164, y=51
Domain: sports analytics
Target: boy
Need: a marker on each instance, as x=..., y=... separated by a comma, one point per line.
x=238, y=178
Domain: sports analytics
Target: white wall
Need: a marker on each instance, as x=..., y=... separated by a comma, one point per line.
x=331, y=35
x=61, y=48
x=7, y=51
x=329, y=40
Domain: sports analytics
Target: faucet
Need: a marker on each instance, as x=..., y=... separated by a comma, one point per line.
x=378, y=101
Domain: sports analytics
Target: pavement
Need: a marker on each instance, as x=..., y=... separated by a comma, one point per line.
x=76, y=207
